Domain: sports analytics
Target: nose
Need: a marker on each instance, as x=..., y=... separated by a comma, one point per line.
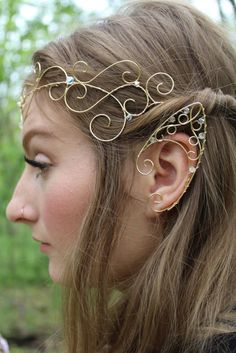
x=22, y=206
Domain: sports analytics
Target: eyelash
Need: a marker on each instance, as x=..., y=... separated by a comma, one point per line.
x=42, y=166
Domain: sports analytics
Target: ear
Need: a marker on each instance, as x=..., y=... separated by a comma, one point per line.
x=174, y=160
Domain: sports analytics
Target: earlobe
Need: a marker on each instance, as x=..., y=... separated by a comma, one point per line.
x=174, y=164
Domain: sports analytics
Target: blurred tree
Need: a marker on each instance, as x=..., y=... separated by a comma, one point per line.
x=222, y=15
x=221, y=9
x=115, y=3
x=233, y=3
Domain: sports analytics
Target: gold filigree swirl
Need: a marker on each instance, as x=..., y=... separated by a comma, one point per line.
x=129, y=78
x=191, y=117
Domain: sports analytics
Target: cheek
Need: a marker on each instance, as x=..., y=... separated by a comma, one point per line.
x=65, y=205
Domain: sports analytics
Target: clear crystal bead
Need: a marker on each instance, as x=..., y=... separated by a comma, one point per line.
x=186, y=110
x=153, y=139
x=129, y=117
x=70, y=80
x=172, y=119
x=192, y=169
x=201, y=120
x=136, y=83
x=201, y=135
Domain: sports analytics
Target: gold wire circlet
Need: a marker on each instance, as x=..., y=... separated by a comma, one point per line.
x=73, y=81
x=192, y=115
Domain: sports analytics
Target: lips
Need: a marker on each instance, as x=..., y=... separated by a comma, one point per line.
x=45, y=247
x=41, y=241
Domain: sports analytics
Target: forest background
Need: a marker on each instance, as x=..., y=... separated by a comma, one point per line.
x=28, y=301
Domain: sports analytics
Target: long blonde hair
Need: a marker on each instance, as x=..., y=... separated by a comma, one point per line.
x=184, y=293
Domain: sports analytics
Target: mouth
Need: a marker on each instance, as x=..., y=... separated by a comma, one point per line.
x=40, y=241
x=44, y=246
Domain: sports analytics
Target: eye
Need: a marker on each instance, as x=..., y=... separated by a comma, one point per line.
x=40, y=165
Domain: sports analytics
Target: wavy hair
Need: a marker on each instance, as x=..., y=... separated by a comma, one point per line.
x=183, y=295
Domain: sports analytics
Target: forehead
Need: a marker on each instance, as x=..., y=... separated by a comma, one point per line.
x=38, y=112
x=42, y=114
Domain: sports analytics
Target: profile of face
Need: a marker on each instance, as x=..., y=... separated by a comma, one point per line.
x=57, y=185
x=54, y=191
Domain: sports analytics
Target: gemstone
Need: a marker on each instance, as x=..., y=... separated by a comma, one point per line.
x=153, y=139
x=129, y=117
x=136, y=83
x=192, y=169
x=201, y=135
x=172, y=119
x=70, y=80
x=201, y=120
x=186, y=110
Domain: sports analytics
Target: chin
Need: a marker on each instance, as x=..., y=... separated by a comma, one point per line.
x=55, y=272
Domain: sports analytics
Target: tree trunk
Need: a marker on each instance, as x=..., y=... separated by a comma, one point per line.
x=233, y=3
x=222, y=15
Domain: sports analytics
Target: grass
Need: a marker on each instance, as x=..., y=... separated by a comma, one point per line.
x=29, y=302
x=29, y=315
x=51, y=349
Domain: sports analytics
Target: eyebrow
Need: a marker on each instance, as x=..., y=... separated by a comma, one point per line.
x=35, y=132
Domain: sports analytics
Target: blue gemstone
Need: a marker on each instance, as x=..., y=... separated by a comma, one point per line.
x=70, y=80
x=129, y=117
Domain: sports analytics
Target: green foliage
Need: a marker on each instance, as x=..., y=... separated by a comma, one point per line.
x=32, y=315
x=21, y=261
x=30, y=307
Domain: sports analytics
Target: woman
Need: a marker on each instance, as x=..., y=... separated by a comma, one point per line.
x=130, y=180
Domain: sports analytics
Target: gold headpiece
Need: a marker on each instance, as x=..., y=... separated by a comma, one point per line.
x=192, y=115
x=73, y=81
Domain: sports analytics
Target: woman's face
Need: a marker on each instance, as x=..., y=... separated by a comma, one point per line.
x=53, y=201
